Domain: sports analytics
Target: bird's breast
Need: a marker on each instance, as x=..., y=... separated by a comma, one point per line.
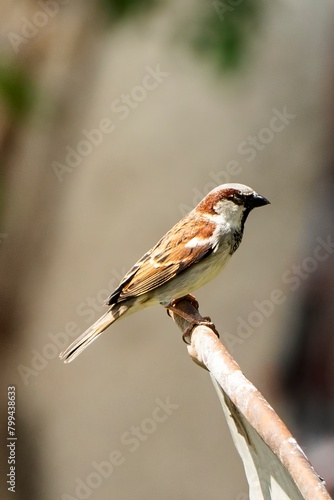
x=196, y=275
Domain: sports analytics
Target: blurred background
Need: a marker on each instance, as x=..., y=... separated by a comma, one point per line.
x=117, y=117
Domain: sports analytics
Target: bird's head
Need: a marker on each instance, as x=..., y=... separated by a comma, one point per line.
x=233, y=202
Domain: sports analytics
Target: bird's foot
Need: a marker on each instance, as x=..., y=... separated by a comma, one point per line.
x=172, y=307
x=189, y=317
x=205, y=321
x=190, y=298
x=193, y=320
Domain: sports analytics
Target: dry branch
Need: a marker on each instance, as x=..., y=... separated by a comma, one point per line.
x=275, y=466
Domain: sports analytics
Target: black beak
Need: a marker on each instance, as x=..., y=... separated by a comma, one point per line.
x=257, y=201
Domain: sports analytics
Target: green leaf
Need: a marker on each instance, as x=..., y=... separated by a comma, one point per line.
x=120, y=8
x=16, y=91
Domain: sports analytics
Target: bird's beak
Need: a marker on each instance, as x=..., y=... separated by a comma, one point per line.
x=257, y=200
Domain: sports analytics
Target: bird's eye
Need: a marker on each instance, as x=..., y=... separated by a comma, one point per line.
x=236, y=198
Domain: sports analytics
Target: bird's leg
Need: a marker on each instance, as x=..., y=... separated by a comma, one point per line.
x=187, y=317
x=190, y=298
x=194, y=321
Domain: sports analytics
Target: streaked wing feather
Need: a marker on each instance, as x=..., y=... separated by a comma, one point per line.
x=149, y=278
x=169, y=257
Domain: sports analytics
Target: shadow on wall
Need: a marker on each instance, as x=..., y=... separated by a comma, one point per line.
x=307, y=368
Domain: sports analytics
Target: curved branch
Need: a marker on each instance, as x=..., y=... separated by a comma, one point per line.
x=275, y=465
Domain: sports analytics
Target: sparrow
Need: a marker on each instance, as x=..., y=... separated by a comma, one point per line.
x=187, y=257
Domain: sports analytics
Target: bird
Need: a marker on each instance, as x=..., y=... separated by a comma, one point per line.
x=188, y=256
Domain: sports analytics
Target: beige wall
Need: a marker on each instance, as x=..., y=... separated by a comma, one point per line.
x=67, y=240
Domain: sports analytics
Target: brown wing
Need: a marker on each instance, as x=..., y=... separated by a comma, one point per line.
x=169, y=257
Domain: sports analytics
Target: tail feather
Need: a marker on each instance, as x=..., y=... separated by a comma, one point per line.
x=91, y=334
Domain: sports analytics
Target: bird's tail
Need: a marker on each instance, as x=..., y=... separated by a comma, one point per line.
x=92, y=333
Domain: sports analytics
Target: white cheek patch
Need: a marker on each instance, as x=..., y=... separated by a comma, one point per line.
x=224, y=206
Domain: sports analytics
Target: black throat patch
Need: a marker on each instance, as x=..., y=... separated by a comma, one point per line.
x=236, y=240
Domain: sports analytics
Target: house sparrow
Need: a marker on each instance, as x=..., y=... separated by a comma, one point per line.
x=192, y=253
